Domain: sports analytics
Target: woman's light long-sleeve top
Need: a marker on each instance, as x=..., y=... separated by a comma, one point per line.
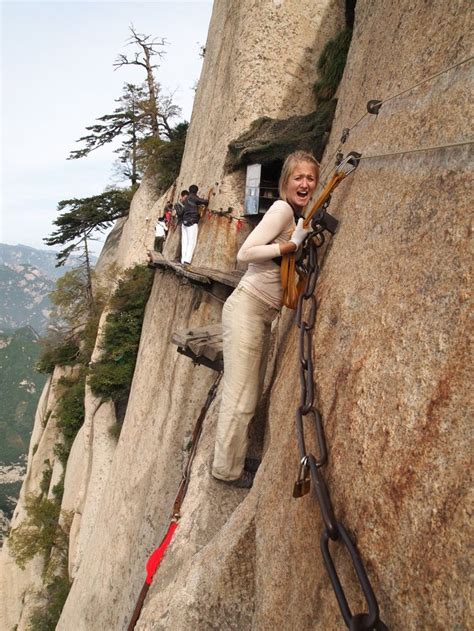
x=262, y=278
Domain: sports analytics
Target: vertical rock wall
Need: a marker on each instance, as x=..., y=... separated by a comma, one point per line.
x=18, y=588
x=390, y=351
x=167, y=391
x=260, y=60
x=391, y=356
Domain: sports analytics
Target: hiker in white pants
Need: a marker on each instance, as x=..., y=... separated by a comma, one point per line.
x=189, y=229
x=248, y=313
x=189, y=235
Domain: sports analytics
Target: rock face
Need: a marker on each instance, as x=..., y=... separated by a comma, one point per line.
x=260, y=60
x=18, y=587
x=390, y=351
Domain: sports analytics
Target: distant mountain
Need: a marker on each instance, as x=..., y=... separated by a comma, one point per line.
x=24, y=298
x=27, y=276
x=20, y=389
x=43, y=260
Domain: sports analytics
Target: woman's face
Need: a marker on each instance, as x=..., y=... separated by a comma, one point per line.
x=301, y=184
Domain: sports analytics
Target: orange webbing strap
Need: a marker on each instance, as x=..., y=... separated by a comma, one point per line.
x=152, y=565
x=292, y=288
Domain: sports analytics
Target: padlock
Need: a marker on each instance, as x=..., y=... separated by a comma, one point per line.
x=303, y=483
x=302, y=487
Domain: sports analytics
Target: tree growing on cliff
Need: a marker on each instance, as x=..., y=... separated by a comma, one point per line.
x=83, y=217
x=39, y=532
x=155, y=109
x=165, y=156
x=127, y=121
x=142, y=120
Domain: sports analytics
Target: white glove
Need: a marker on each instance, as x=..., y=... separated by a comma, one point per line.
x=300, y=233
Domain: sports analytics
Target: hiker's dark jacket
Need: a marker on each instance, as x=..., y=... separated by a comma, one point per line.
x=179, y=210
x=191, y=212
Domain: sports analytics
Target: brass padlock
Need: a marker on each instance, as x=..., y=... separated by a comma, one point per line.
x=303, y=483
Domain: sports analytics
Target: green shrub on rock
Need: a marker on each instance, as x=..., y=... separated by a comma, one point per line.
x=331, y=64
x=45, y=617
x=64, y=354
x=38, y=533
x=70, y=413
x=111, y=377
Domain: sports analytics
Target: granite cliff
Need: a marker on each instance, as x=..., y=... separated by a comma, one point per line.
x=390, y=351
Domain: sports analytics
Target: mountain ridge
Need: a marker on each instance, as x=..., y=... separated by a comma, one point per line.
x=27, y=277
x=43, y=260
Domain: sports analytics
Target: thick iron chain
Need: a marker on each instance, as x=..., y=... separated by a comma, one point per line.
x=310, y=465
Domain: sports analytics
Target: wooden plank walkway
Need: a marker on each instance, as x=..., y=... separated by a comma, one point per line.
x=203, y=345
x=200, y=275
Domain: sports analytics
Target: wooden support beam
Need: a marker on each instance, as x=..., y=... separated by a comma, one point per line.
x=203, y=345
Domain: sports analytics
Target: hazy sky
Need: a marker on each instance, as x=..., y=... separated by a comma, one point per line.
x=58, y=77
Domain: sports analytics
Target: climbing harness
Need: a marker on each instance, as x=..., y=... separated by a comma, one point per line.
x=156, y=557
x=309, y=473
x=317, y=216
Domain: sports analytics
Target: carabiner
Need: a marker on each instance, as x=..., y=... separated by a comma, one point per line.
x=349, y=164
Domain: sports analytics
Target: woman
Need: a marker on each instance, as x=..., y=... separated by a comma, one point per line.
x=248, y=313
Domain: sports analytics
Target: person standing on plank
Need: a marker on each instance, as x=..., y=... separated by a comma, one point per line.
x=161, y=229
x=249, y=311
x=179, y=206
x=189, y=228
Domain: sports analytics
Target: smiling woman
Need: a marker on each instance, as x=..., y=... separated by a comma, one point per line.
x=248, y=313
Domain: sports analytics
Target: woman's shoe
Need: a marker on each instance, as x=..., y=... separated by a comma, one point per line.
x=252, y=464
x=245, y=480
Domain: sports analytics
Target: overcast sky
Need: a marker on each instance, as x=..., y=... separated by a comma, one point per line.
x=58, y=77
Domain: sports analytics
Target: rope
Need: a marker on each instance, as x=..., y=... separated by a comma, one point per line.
x=183, y=487
x=152, y=565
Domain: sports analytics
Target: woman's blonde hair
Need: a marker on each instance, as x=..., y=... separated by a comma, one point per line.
x=289, y=166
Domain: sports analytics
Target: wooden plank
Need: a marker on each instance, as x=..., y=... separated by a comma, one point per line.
x=205, y=332
x=218, y=364
x=158, y=260
x=231, y=279
x=201, y=275
x=204, y=341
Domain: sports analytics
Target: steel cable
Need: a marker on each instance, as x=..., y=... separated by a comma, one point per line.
x=347, y=130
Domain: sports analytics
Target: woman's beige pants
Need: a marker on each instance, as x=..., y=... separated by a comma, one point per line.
x=246, y=322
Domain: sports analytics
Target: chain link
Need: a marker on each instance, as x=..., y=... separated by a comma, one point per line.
x=310, y=466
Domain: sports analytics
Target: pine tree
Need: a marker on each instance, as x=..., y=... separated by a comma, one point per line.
x=149, y=48
x=143, y=118
x=82, y=218
x=127, y=121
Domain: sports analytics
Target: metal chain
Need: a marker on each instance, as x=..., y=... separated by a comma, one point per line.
x=310, y=466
